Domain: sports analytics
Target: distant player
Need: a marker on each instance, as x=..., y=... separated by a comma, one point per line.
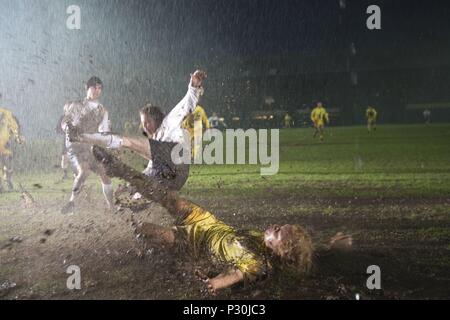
x=214, y=121
x=371, y=116
x=197, y=116
x=9, y=131
x=217, y=123
x=427, y=116
x=287, y=120
x=319, y=117
x=87, y=116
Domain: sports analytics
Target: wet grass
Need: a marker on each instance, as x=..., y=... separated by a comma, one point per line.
x=394, y=161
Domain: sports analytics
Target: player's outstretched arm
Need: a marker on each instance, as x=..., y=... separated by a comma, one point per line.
x=341, y=241
x=138, y=145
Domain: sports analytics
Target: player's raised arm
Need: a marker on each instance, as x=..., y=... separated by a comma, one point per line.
x=173, y=120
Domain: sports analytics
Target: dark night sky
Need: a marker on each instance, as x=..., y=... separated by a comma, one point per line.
x=146, y=49
x=258, y=27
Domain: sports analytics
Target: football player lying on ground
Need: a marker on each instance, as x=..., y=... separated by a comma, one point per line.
x=250, y=255
x=163, y=133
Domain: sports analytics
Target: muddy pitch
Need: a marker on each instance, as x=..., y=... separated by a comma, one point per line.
x=407, y=238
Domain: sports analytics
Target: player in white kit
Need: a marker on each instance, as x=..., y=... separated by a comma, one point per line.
x=87, y=116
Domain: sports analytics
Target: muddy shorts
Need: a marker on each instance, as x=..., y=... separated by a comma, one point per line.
x=169, y=174
x=81, y=155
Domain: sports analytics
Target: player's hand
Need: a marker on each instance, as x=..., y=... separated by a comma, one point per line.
x=341, y=241
x=197, y=78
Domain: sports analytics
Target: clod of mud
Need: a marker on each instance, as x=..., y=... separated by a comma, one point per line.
x=48, y=232
x=16, y=239
x=7, y=285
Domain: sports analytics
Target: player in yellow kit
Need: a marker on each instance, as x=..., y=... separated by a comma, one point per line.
x=9, y=130
x=248, y=255
x=319, y=117
x=371, y=115
x=197, y=116
x=288, y=121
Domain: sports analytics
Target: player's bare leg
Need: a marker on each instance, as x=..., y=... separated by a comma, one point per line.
x=316, y=131
x=370, y=126
x=1, y=173
x=8, y=171
x=82, y=174
x=64, y=165
x=8, y=178
x=321, y=132
x=107, y=188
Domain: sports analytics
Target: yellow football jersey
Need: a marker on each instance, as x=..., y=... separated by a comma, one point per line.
x=198, y=114
x=204, y=233
x=9, y=127
x=319, y=114
x=371, y=113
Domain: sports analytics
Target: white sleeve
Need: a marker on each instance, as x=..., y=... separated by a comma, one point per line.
x=173, y=120
x=105, y=125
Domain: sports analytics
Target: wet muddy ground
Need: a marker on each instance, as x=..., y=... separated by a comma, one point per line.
x=408, y=238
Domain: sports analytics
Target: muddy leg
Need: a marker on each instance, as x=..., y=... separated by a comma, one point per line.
x=82, y=174
x=150, y=187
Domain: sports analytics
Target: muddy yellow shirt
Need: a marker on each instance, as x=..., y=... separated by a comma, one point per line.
x=8, y=127
x=319, y=115
x=204, y=233
x=371, y=114
x=198, y=114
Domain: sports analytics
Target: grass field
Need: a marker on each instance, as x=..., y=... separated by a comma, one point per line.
x=389, y=189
